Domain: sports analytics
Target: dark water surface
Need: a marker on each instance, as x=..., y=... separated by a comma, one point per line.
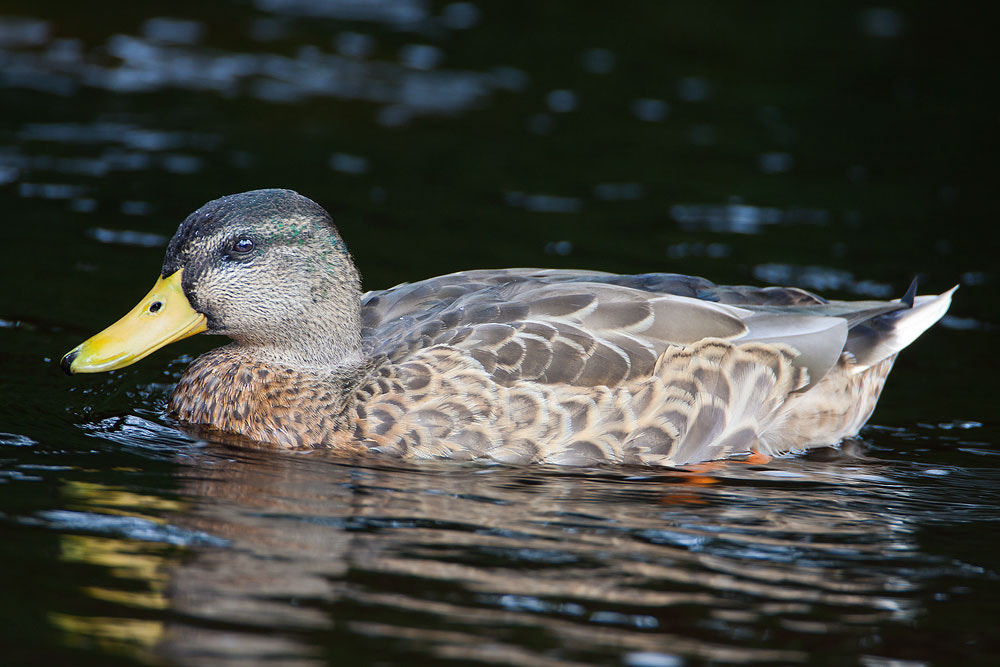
x=842, y=148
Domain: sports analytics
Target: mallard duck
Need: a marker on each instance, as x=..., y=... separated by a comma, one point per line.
x=515, y=365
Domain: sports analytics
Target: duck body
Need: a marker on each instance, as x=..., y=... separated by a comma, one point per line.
x=515, y=365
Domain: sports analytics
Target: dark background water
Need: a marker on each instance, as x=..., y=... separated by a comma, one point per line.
x=841, y=147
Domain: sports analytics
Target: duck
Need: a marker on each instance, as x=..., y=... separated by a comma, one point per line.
x=514, y=366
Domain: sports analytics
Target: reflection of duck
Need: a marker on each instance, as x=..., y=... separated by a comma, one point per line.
x=517, y=365
x=584, y=564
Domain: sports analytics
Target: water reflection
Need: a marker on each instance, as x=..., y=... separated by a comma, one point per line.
x=163, y=30
x=123, y=535
x=229, y=555
x=543, y=203
x=399, y=13
x=821, y=279
x=287, y=554
x=650, y=110
x=117, y=147
x=168, y=55
x=739, y=218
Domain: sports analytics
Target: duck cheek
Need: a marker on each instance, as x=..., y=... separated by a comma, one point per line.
x=243, y=320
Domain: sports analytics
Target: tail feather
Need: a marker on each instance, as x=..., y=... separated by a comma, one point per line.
x=885, y=335
x=911, y=294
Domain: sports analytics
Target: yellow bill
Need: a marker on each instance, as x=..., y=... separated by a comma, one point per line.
x=163, y=316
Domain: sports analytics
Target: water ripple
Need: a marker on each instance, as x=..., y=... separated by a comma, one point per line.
x=127, y=526
x=168, y=57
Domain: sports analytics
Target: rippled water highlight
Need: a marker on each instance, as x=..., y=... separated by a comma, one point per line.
x=240, y=555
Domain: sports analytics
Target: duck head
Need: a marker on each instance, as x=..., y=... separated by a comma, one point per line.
x=266, y=268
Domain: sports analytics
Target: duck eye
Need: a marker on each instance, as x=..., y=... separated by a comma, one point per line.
x=243, y=245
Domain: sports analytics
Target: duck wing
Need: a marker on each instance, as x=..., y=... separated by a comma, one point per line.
x=587, y=328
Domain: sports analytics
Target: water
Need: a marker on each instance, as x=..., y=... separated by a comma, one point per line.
x=842, y=150
x=203, y=555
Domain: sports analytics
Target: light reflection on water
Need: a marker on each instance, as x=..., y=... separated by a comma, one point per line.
x=166, y=56
x=739, y=218
x=290, y=554
x=821, y=278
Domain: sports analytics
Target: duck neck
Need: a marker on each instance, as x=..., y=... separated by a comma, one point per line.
x=322, y=353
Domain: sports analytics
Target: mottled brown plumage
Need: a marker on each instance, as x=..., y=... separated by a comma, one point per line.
x=518, y=365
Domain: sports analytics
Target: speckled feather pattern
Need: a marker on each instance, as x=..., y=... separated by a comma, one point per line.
x=543, y=366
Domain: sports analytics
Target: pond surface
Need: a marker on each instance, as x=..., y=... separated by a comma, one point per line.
x=843, y=150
